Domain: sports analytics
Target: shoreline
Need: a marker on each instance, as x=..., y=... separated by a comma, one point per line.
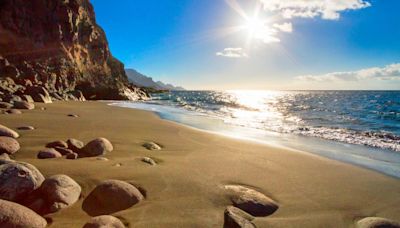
x=185, y=188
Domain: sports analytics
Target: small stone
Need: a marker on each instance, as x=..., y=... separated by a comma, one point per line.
x=5, y=105
x=43, y=108
x=8, y=145
x=73, y=115
x=251, y=201
x=117, y=165
x=23, y=105
x=5, y=131
x=151, y=146
x=48, y=153
x=63, y=151
x=149, y=161
x=75, y=145
x=236, y=218
x=58, y=143
x=96, y=147
x=16, y=215
x=13, y=111
x=104, y=221
x=377, y=222
x=72, y=156
x=18, y=180
x=102, y=159
x=111, y=196
x=26, y=128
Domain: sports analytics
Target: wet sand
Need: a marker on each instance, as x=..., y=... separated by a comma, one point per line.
x=186, y=188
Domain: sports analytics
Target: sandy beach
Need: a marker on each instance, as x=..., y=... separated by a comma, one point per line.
x=185, y=188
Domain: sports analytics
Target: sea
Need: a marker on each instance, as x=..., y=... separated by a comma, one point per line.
x=357, y=127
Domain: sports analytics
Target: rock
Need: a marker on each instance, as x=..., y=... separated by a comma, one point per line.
x=96, y=147
x=23, y=105
x=236, y=218
x=151, y=146
x=104, y=221
x=18, y=180
x=5, y=105
x=149, y=161
x=117, y=165
x=4, y=157
x=72, y=156
x=73, y=115
x=48, y=153
x=63, y=151
x=377, y=222
x=78, y=95
x=75, y=145
x=8, y=145
x=39, y=94
x=58, y=143
x=15, y=215
x=111, y=196
x=251, y=201
x=27, y=98
x=13, y=111
x=102, y=159
x=57, y=192
x=5, y=131
x=26, y=128
x=43, y=108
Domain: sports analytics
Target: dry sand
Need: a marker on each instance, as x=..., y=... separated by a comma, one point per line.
x=184, y=189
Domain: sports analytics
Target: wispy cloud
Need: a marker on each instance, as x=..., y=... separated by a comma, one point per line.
x=232, y=53
x=326, y=9
x=389, y=72
x=285, y=27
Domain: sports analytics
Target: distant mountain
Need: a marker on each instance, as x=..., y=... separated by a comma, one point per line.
x=144, y=81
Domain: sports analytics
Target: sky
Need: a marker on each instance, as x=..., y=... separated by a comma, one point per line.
x=257, y=44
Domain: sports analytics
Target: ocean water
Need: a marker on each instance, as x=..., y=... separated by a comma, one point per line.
x=361, y=127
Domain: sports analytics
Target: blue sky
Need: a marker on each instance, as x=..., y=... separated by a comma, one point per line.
x=257, y=44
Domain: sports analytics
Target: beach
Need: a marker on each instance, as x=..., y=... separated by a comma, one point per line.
x=186, y=187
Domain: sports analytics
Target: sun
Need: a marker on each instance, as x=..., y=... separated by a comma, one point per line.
x=255, y=25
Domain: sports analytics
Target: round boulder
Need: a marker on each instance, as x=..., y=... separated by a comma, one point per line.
x=5, y=131
x=251, y=201
x=75, y=145
x=48, y=153
x=18, y=180
x=97, y=147
x=16, y=215
x=8, y=145
x=23, y=105
x=377, y=222
x=104, y=221
x=111, y=196
x=58, y=192
x=58, y=143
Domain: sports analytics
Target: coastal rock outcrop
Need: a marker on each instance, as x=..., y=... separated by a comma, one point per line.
x=54, y=49
x=8, y=145
x=103, y=221
x=15, y=215
x=251, y=201
x=18, y=180
x=111, y=196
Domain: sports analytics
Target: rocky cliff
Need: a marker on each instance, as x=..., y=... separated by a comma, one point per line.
x=57, y=45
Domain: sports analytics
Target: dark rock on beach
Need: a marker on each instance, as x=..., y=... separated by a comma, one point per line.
x=96, y=147
x=49, y=153
x=8, y=145
x=111, y=196
x=75, y=145
x=58, y=143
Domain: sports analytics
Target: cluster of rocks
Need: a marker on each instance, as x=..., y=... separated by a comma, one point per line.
x=74, y=149
x=150, y=146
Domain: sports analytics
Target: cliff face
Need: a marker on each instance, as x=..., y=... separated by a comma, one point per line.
x=57, y=44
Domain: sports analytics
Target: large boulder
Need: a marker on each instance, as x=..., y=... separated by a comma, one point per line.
x=236, y=218
x=18, y=180
x=49, y=153
x=13, y=215
x=5, y=131
x=56, y=192
x=23, y=105
x=96, y=147
x=8, y=145
x=377, y=222
x=111, y=196
x=251, y=201
x=104, y=221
